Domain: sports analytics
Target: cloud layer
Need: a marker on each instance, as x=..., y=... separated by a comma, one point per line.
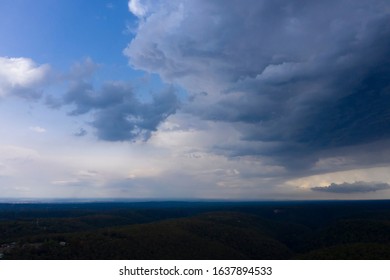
x=299, y=80
x=357, y=187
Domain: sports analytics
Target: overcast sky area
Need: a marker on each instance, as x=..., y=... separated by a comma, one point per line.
x=195, y=99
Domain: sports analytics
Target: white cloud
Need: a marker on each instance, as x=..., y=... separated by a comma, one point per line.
x=17, y=153
x=137, y=8
x=71, y=182
x=87, y=173
x=15, y=158
x=21, y=76
x=37, y=129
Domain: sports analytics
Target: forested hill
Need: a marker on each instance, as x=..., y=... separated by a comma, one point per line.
x=196, y=230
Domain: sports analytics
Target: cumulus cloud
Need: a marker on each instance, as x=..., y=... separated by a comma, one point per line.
x=118, y=114
x=356, y=187
x=85, y=98
x=136, y=7
x=296, y=79
x=21, y=77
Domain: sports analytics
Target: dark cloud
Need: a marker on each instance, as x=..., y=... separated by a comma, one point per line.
x=81, y=132
x=52, y=102
x=82, y=70
x=84, y=97
x=118, y=114
x=80, y=89
x=357, y=187
x=297, y=79
x=29, y=94
x=132, y=120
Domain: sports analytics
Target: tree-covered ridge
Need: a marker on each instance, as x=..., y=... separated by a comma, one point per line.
x=278, y=230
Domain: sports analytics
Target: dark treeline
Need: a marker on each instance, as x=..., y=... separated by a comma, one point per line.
x=196, y=230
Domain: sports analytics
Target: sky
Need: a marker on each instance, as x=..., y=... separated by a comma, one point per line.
x=195, y=99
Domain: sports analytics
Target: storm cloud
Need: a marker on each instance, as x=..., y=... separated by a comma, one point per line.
x=357, y=187
x=299, y=80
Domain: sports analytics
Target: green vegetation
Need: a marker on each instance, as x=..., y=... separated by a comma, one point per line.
x=278, y=230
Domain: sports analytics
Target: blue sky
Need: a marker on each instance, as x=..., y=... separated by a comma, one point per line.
x=195, y=99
